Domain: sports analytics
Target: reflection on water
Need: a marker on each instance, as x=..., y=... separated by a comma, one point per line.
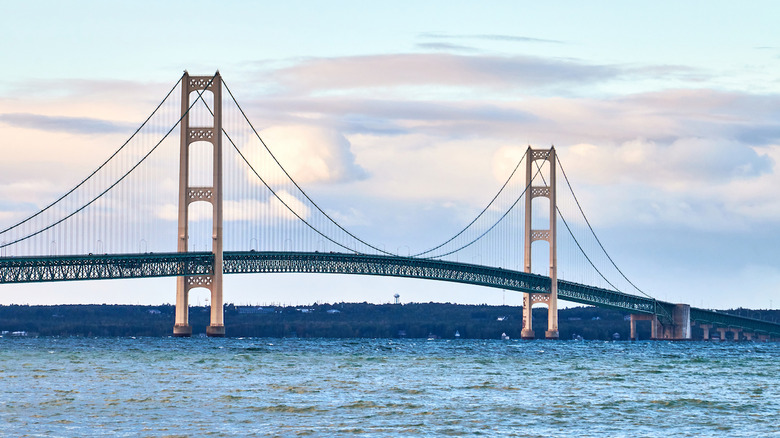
x=290, y=387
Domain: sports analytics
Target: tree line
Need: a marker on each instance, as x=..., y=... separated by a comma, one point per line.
x=339, y=320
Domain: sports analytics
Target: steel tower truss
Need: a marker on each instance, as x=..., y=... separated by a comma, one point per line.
x=189, y=194
x=549, y=235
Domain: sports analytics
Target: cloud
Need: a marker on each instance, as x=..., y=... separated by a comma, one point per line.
x=395, y=117
x=669, y=166
x=659, y=116
x=447, y=47
x=21, y=193
x=6, y=215
x=492, y=37
x=702, y=184
x=120, y=105
x=505, y=161
x=494, y=72
x=351, y=218
x=72, y=125
x=759, y=134
x=421, y=168
x=102, y=89
x=716, y=116
x=667, y=156
x=243, y=209
x=309, y=153
x=255, y=210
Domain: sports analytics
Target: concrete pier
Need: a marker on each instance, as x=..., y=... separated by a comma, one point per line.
x=182, y=330
x=705, y=328
x=654, y=324
x=215, y=331
x=679, y=329
x=681, y=318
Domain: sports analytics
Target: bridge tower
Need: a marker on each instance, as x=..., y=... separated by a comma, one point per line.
x=531, y=235
x=189, y=194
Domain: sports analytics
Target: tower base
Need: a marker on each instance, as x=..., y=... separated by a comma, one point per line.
x=527, y=334
x=215, y=331
x=182, y=331
x=551, y=334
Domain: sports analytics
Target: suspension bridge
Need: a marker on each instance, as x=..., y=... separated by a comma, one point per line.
x=235, y=209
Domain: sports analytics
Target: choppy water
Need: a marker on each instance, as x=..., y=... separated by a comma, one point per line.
x=298, y=387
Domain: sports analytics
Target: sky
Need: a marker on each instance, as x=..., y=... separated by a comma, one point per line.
x=665, y=114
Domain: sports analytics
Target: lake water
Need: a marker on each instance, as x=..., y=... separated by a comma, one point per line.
x=75, y=387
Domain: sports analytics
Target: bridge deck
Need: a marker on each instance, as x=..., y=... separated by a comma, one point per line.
x=93, y=267
x=408, y=267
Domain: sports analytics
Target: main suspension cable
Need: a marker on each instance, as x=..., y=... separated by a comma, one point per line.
x=593, y=265
x=200, y=94
x=99, y=167
x=273, y=192
x=276, y=195
x=295, y=183
x=593, y=232
x=538, y=171
x=348, y=232
x=482, y=212
x=575, y=239
x=583, y=251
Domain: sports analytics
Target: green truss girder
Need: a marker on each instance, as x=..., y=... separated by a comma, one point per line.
x=362, y=264
x=97, y=267
x=388, y=266
x=93, y=267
